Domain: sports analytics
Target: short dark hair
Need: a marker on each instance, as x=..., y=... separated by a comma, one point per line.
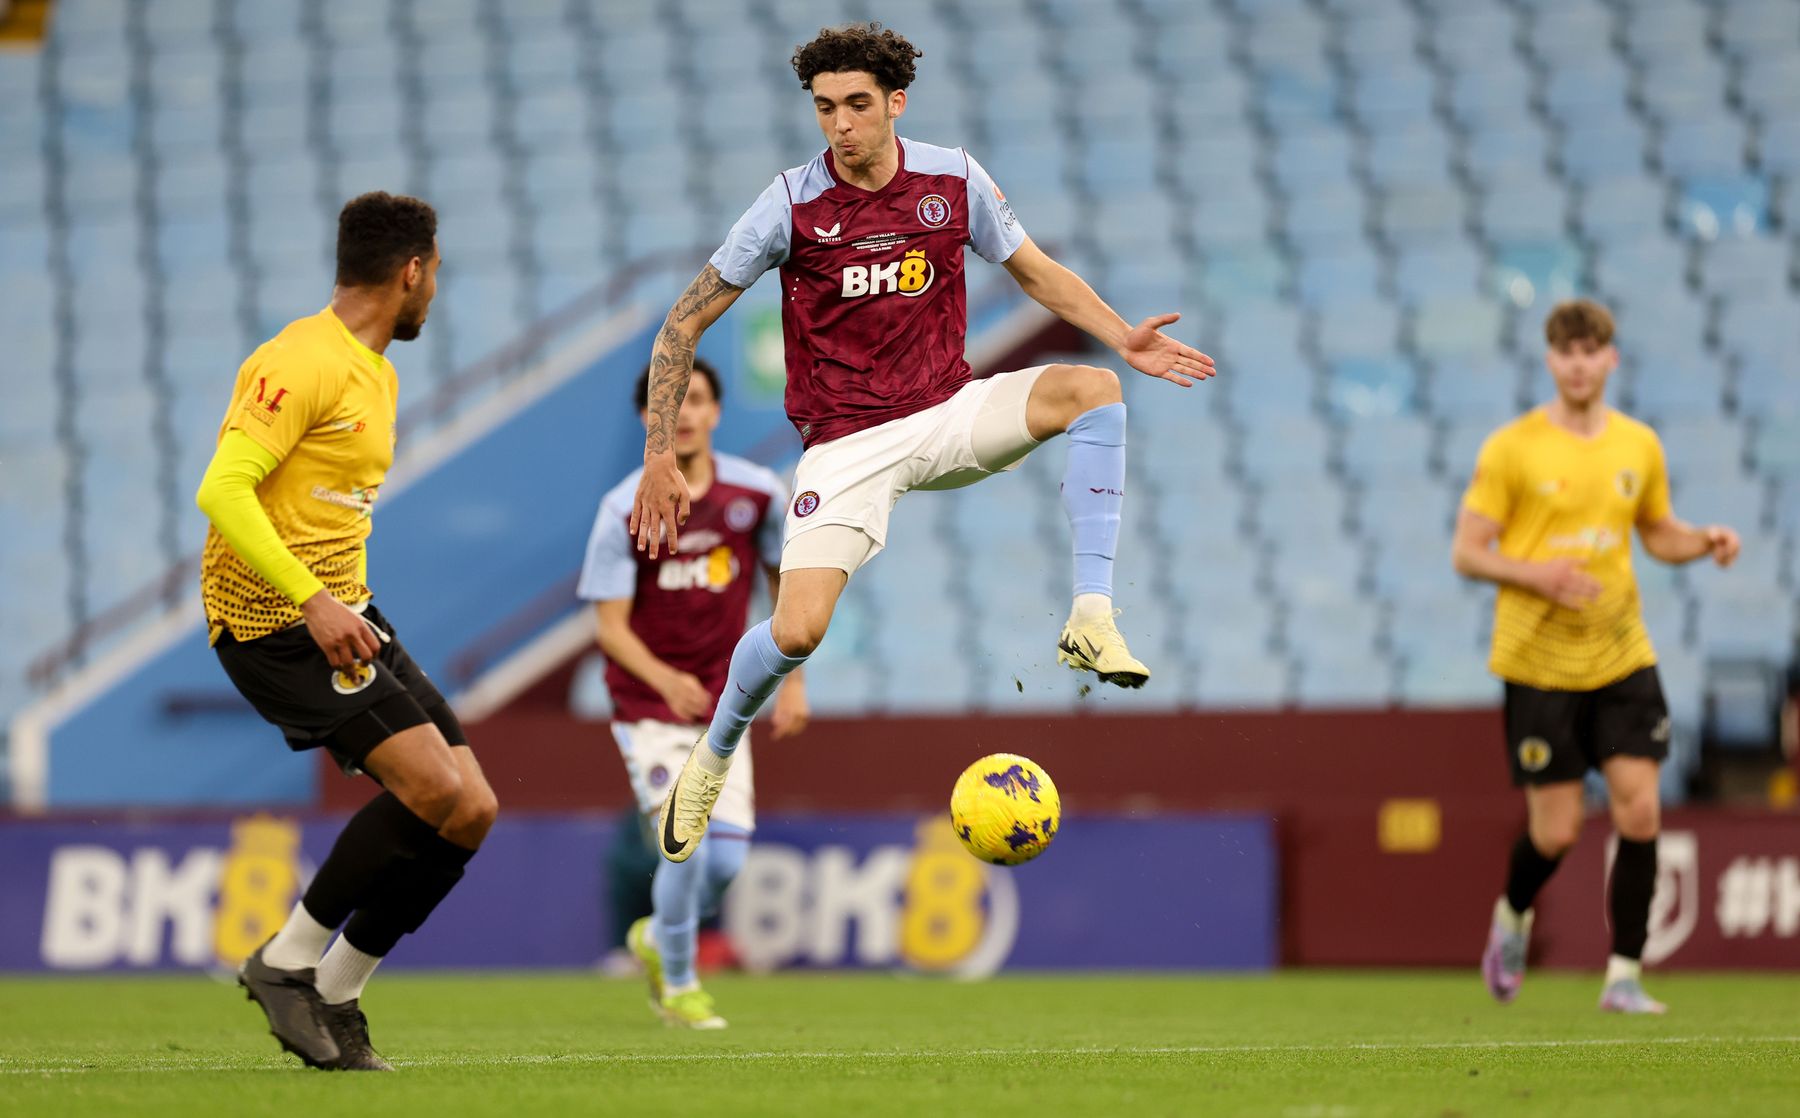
x=378, y=233
x=858, y=46
x=701, y=366
x=1578, y=320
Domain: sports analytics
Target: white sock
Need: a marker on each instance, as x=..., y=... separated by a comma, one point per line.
x=1621, y=969
x=712, y=762
x=1518, y=923
x=1093, y=605
x=344, y=972
x=299, y=943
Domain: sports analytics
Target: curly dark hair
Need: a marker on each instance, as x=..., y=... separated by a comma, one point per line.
x=378, y=233
x=701, y=366
x=868, y=47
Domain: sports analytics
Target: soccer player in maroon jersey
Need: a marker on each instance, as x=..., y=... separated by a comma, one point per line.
x=667, y=626
x=869, y=238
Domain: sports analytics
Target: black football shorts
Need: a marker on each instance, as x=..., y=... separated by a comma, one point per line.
x=290, y=683
x=1554, y=736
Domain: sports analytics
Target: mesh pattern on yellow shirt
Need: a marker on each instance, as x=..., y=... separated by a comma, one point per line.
x=324, y=405
x=1557, y=495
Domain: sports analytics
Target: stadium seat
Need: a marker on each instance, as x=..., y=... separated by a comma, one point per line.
x=1453, y=681
x=1328, y=217
x=1769, y=87
x=1449, y=329
x=1353, y=328
x=1345, y=271
x=1703, y=446
x=1344, y=681
x=1699, y=148
x=1296, y=446
x=1775, y=446
x=1740, y=623
x=1506, y=150
x=1768, y=386
x=1408, y=160
x=1733, y=205
x=1248, y=682
x=1437, y=270
x=1751, y=27
x=1597, y=150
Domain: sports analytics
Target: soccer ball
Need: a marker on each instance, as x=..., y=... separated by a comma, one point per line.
x=1005, y=809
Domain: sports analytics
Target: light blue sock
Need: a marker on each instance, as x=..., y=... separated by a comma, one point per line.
x=757, y=668
x=729, y=847
x=1093, y=489
x=676, y=893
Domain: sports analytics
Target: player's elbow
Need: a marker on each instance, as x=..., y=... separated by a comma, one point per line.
x=1461, y=560
x=206, y=498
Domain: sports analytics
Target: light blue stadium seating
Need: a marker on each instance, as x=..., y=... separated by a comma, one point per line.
x=1363, y=208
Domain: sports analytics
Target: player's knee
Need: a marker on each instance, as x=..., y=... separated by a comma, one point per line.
x=1092, y=387
x=480, y=805
x=433, y=796
x=474, y=815
x=1638, y=818
x=1555, y=837
x=796, y=638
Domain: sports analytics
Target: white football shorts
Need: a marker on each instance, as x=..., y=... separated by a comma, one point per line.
x=854, y=481
x=654, y=753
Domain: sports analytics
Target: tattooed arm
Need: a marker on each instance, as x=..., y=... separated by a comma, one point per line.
x=662, y=496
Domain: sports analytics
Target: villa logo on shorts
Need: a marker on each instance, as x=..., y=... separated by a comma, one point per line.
x=806, y=503
x=1534, y=755
x=348, y=681
x=910, y=276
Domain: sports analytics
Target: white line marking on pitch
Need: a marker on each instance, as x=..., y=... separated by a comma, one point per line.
x=579, y=1058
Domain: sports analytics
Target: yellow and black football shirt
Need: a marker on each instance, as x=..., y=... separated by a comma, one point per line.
x=1558, y=495
x=324, y=405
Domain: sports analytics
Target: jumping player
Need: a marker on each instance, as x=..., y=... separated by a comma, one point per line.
x=302, y=453
x=869, y=237
x=1560, y=490
x=667, y=627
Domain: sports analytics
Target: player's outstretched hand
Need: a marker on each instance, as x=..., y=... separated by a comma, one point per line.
x=1148, y=350
x=1722, y=544
x=1565, y=583
x=792, y=712
x=341, y=633
x=661, y=504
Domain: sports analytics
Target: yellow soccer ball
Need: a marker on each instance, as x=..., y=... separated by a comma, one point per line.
x=1005, y=809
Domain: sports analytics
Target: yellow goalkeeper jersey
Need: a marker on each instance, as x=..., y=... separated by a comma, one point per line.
x=1557, y=495
x=324, y=405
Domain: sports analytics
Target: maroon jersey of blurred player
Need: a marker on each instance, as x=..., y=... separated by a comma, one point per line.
x=688, y=608
x=872, y=304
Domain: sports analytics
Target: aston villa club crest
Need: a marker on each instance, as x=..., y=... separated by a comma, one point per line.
x=934, y=210
x=806, y=504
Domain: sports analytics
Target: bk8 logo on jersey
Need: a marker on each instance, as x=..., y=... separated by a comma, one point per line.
x=713, y=571
x=910, y=276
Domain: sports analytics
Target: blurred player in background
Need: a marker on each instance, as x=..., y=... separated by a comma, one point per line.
x=667, y=626
x=869, y=238
x=302, y=454
x=1560, y=490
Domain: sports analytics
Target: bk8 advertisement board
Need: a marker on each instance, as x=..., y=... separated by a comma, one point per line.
x=854, y=891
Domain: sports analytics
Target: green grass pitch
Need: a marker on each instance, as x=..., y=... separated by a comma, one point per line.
x=1296, y=1044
